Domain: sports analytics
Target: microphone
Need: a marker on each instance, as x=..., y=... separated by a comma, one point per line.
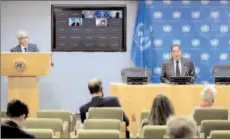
x=186, y=70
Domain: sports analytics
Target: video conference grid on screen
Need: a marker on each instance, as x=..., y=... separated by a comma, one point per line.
x=88, y=30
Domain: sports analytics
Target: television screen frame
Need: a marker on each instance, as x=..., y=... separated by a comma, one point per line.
x=89, y=7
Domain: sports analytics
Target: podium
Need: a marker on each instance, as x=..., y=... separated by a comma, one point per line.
x=23, y=70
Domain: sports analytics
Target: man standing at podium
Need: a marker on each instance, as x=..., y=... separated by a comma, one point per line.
x=177, y=66
x=23, y=45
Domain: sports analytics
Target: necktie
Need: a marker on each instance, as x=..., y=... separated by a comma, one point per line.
x=25, y=49
x=177, y=69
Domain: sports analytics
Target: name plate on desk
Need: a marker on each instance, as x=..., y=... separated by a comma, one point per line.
x=137, y=80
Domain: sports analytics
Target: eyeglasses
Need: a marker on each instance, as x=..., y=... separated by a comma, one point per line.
x=23, y=38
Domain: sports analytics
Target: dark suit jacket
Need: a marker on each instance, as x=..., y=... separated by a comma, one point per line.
x=187, y=69
x=11, y=130
x=101, y=102
x=31, y=48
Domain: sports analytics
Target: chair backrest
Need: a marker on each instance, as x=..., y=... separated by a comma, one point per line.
x=220, y=134
x=60, y=114
x=208, y=125
x=144, y=115
x=105, y=124
x=3, y=120
x=99, y=134
x=3, y=113
x=136, y=72
x=153, y=131
x=105, y=113
x=210, y=114
x=41, y=133
x=44, y=123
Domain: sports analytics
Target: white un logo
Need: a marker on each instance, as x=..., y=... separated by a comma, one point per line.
x=167, y=2
x=197, y=70
x=214, y=14
x=167, y=28
x=157, y=42
x=148, y=2
x=204, y=56
x=223, y=28
x=186, y=28
x=178, y=42
x=204, y=28
x=186, y=55
x=205, y=2
x=223, y=2
x=195, y=14
x=204, y=82
x=176, y=14
x=186, y=2
x=214, y=42
x=166, y=56
x=157, y=15
x=157, y=70
x=195, y=42
x=223, y=56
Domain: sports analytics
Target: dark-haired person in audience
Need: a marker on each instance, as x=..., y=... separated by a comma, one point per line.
x=17, y=113
x=161, y=110
x=180, y=127
x=95, y=88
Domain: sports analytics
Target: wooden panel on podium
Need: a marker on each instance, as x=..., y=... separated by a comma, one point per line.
x=23, y=70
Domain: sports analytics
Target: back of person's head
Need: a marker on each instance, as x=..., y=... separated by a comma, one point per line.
x=95, y=86
x=161, y=109
x=16, y=108
x=180, y=127
x=208, y=94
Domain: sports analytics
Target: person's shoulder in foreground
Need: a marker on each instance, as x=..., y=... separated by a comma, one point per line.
x=13, y=132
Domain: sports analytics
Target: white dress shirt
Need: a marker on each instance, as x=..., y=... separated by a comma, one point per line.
x=174, y=61
x=23, y=48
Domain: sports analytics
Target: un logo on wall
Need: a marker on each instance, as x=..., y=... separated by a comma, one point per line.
x=20, y=65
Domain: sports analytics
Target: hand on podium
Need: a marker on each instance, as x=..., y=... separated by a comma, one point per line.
x=52, y=64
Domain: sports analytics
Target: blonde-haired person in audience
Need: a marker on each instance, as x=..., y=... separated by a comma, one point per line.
x=162, y=108
x=208, y=95
x=180, y=127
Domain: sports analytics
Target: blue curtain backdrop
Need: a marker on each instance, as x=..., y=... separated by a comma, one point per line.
x=202, y=28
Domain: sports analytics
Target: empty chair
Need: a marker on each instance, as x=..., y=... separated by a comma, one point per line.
x=210, y=114
x=144, y=115
x=41, y=133
x=105, y=113
x=220, y=134
x=105, y=124
x=3, y=113
x=136, y=72
x=64, y=115
x=208, y=125
x=153, y=131
x=45, y=123
x=98, y=134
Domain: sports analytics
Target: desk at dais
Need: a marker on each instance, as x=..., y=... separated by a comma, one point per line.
x=135, y=98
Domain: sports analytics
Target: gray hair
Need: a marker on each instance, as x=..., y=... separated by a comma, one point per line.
x=208, y=94
x=21, y=33
x=180, y=127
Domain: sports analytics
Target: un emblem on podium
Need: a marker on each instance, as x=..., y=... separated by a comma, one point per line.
x=20, y=65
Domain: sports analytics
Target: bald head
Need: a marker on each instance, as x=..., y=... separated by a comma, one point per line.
x=95, y=86
x=180, y=127
x=22, y=37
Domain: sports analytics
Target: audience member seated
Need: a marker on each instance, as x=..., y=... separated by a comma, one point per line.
x=17, y=113
x=179, y=127
x=95, y=88
x=161, y=109
x=208, y=96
